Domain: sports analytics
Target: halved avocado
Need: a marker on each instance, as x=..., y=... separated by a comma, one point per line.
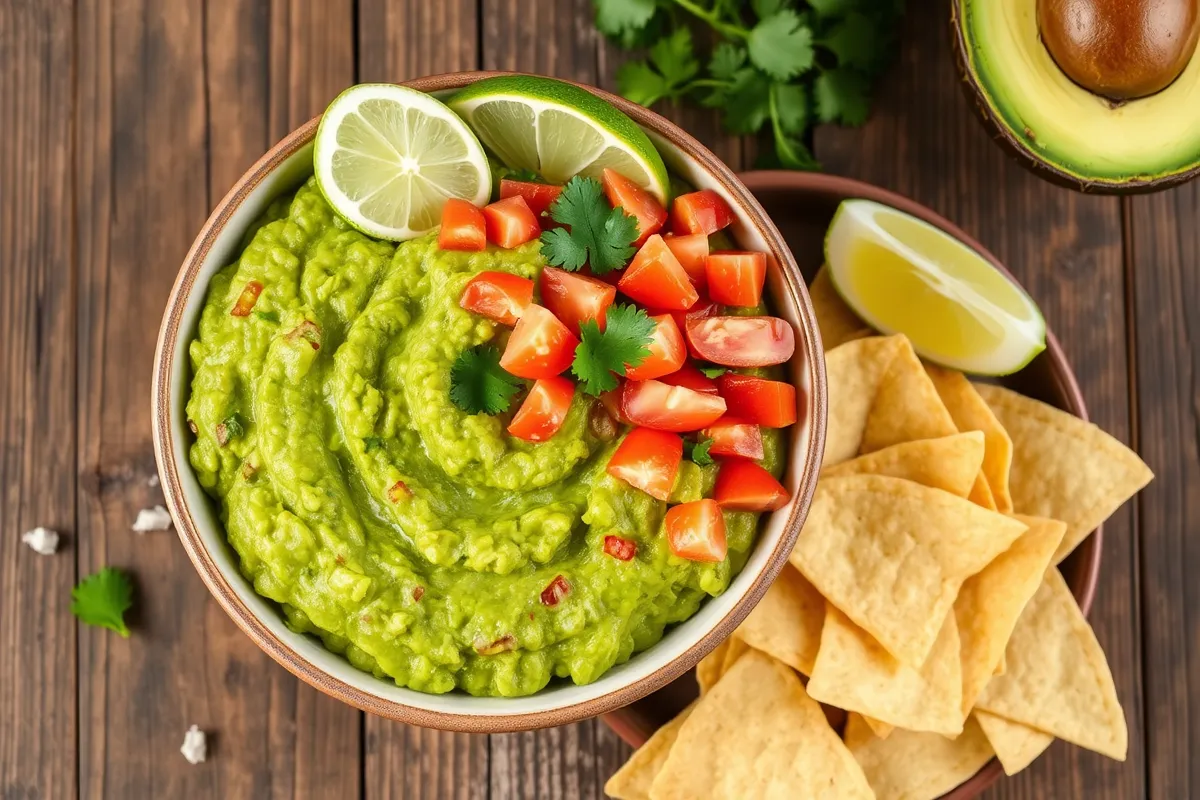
x=1062, y=130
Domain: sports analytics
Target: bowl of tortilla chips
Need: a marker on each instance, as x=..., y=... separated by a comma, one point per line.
x=929, y=633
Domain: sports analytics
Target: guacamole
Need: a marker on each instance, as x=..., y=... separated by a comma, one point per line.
x=415, y=538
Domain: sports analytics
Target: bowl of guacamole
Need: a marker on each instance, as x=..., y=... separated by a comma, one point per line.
x=494, y=474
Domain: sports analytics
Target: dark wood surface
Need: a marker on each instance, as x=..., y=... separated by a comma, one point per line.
x=126, y=120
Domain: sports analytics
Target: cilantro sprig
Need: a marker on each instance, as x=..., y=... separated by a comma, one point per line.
x=697, y=451
x=604, y=355
x=102, y=600
x=789, y=63
x=478, y=384
x=598, y=235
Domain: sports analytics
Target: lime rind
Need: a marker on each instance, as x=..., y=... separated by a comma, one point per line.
x=1024, y=338
x=566, y=130
x=387, y=157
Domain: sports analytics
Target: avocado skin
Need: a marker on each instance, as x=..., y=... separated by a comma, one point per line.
x=1000, y=132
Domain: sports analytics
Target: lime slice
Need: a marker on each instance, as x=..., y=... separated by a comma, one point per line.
x=388, y=157
x=903, y=275
x=559, y=130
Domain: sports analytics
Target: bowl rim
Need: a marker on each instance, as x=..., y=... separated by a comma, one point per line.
x=785, y=180
x=163, y=391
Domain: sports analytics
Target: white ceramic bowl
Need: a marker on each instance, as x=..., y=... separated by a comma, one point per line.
x=199, y=527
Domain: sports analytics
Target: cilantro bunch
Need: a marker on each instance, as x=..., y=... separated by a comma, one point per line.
x=786, y=63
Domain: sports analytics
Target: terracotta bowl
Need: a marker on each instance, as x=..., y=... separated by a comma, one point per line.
x=802, y=205
x=196, y=516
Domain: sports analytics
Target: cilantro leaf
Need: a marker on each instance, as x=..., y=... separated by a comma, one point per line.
x=638, y=82
x=371, y=443
x=697, y=451
x=615, y=17
x=674, y=57
x=477, y=383
x=748, y=103
x=726, y=60
x=713, y=372
x=791, y=107
x=765, y=8
x=781, y=45
x=854, y=41
x=267, y=316
x=624, y=342
x=793, y=153
x=599, y=236
x=841, y=95
x=102, y=599
x=832, y=8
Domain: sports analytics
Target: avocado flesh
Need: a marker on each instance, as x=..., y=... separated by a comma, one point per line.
x=1062, y=125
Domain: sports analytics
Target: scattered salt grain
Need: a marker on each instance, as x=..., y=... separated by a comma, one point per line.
x=42, y=540
x=195, y=745
x=152, y=519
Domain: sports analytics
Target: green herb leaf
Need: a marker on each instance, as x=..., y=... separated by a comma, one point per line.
x=713, y=372
x=793, y=153
x=726, y=60
x=477, y=383
x=765, y=8
x=624, y=342
x=638, y=82
x=781, y=45
x=598, y=235
x=614, y=17
x=791, y=107
x=832, y=8
x=674, y=57
x=842, y=95
x=267, y=316
x=102, y=600
x=371, y=443
x=748, y=104
x=854, y=41
x=697, y=452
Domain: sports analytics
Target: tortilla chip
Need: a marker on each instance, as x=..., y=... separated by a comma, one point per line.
x=632, y=781
x=737, y=648
x=906, y=407
x=837, y=322
x=1064, y=468
x=710, y=668
x=853, y=373
x=950, y=463
x=971, y=413
x=1016, y=745
x=855, y=673
x=881, y=729
x=991, y=601
x=981, y=493
x=891, y=554
x=787, y=622
x=916, y=766
x=1058, y=680
x=758, y=734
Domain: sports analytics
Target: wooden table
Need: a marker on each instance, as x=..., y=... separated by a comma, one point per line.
x=126, y=120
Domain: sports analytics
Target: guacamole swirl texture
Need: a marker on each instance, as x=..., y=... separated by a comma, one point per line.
x=407, y=534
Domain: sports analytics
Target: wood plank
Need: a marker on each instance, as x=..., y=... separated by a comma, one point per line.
x=1164, y=249
x=1066, y=248
x=37, y=401
x=398, y=42
x=146, y=183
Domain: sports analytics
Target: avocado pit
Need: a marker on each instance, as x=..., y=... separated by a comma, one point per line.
x=1120, y=49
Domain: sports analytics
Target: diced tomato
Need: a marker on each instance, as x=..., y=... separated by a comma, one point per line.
x=575, y=298
x=502, y=645
x=692, y=378
x=771, y=404
x=648, y=460
x=692, y=252
x=510, y=222
x=742, y=341
x=654, y=404
x=399, y=491
x=696, y=531
x=636, y=202
x=538, y=196
x=555, y=591
x=704, y=212
x=540, y=346
x=620, y=548
x=745, y=486
x=667, y=352
x=247, y=299
x=463, y=227
x=499, y=296
x=702, y=309
x=544, y=409
x=732, y=437
x=611, y=400
x=735, y=277
x=656, y=279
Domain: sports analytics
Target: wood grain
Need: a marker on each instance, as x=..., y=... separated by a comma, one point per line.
x=37, y=401
x=1066, y=248
x=1163, y=253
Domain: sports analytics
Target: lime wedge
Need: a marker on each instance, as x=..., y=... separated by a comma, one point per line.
x=903, y=275
x=559, y=130
x=388, y=157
